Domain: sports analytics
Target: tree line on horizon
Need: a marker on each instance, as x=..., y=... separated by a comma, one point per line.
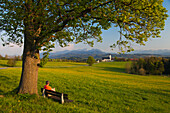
x=149, y=66
x=142, y=66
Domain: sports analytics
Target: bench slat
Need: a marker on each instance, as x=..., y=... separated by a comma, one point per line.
x=56, y=95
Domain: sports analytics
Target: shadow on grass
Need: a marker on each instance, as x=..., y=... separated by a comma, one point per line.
x=1, y=92
x=4, y=65
x=55, y=99
x=159, y=93
x=145, y=93
x=4, y=78
x=12, y=93
x=114, y=69
x=23, y=97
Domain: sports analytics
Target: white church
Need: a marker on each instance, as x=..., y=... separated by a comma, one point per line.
x=107, y=59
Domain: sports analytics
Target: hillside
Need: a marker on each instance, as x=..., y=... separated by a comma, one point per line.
x=98, y=54
x=102, y=88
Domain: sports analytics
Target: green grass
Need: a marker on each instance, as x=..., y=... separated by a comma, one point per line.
x=103, y=87
x=3, y=63
x=63, y=64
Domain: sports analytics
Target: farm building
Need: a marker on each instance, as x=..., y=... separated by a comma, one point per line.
x=107, y=59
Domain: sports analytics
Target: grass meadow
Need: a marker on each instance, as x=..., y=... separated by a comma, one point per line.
x=103, y=87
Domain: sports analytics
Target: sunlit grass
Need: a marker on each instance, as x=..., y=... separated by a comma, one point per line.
x=63, y=64
x=3, y=63
x=103, y=87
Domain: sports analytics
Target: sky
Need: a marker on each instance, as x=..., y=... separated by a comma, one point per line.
x=109, y=37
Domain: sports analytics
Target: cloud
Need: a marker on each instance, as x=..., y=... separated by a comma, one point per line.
x=11, y=51
x=69, y=47
x=16, y=50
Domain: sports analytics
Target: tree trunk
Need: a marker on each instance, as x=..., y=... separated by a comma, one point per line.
x=29, y=76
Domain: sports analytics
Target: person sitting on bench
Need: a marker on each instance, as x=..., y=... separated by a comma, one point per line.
x=47, y=87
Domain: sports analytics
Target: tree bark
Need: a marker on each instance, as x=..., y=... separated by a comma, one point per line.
x=31, y=59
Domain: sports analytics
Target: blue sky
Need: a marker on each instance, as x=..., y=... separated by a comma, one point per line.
x=109, y=37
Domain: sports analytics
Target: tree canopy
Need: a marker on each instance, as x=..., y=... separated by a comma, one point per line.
x=90, y=60
x=77, y=21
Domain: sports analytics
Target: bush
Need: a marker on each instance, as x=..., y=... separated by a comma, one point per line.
x=128, y=67
x=11, y=62
x=91, y=60
x=142, y=71
x=134, y=68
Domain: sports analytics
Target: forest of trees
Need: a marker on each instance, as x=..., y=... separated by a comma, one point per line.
x=149, y=65
x=6, y=57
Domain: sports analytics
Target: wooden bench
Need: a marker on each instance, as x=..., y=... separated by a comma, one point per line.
x=60, y=97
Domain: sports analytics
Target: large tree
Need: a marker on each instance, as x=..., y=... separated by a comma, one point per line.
x=39, y=23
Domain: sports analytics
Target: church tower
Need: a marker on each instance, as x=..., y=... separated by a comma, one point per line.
x=110, y=57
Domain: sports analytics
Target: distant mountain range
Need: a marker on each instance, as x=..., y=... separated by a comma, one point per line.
x=81, y=53
x=158, y=52
x=98, y=54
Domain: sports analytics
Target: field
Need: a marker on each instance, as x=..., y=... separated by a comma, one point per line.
x=103, y=87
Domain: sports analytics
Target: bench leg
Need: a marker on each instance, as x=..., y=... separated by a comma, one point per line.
x=43, y=93
x=62, y=98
